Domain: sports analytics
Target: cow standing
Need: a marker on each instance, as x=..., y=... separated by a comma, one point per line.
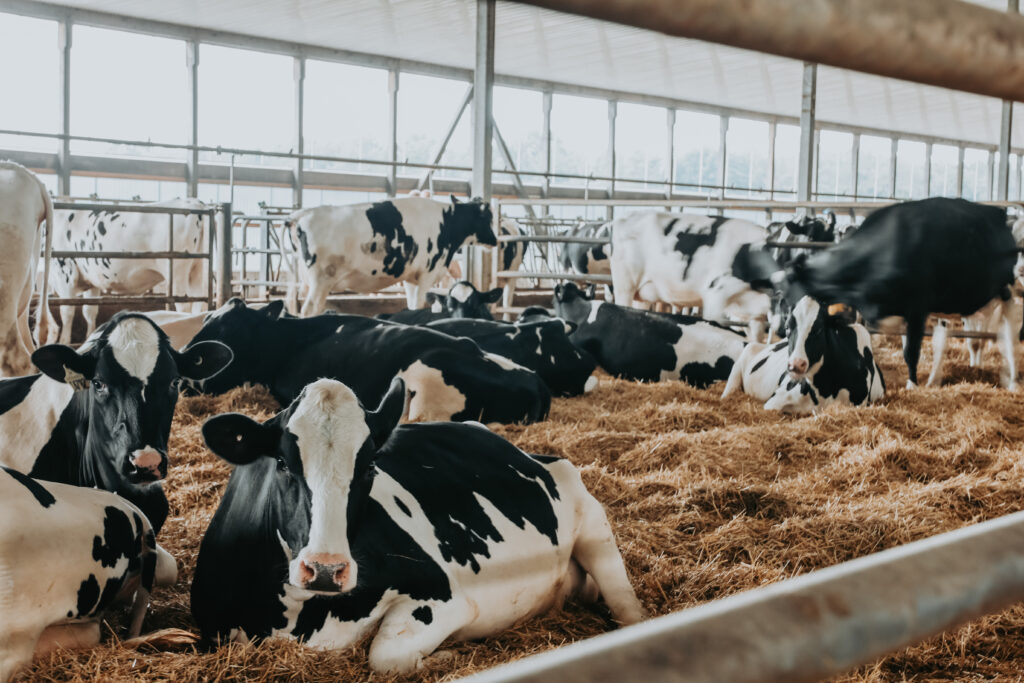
x=346, y=525
x=825, y=359
x=646, y=346
x=78, y=229
x=24, y=204
x=511, y=255
x=448, y=378
x=100, y=416
x=366, y=247
x=67, y=554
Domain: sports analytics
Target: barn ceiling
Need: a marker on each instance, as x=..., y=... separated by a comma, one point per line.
x=538, y=43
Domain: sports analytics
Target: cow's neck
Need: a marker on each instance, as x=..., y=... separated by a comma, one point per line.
x=29, y=424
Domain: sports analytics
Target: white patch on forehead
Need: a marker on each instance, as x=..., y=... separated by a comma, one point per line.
x=460, y=292
x=136, y=346
x=805, y=313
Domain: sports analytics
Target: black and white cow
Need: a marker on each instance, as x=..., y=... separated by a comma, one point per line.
x=543, y=347
x=825, y=359
x=448, y=378
x=686, y=260
x=511, y=254
x=534, y=314
x=938, y=255
x=645, y=346
x=77, y=229
x=100, y=416
x=801, y=229
x=346, y=525
x=588, y=259
x=366, y=247
x=463, y=300
x=67, y=554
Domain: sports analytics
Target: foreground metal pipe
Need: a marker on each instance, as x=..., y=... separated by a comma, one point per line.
x=947, y=43
x=809, y=627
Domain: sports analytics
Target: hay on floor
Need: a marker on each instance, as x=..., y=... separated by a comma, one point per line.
x=708, y=498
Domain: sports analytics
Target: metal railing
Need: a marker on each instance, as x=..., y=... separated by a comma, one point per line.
x=268, y=275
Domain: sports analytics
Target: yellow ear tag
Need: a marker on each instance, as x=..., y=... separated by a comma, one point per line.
x=835, y=309
x=75, y=380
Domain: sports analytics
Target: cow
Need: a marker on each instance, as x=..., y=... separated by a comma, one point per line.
x=685, y=260
x=1000, y=316
x=366, y=247
x=648, y=347
x=67, y=554
x=825, y=359
x=543, y=347
x=588, y=259
x=534, y=314
x=448, y=378
x=937, y=255
x=122, y=230
x=347, y=525
x=24, y=204
x=179, y=326
x=100, y=416
x=801, y=229
x=463, y=300
x=511, y=254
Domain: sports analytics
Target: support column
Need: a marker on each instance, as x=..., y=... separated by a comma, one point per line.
x=855, y=163
x=483, y=121
x=723, y=156
x=805, y=163
x=64, y=71
x=298, y=182
x=1002, y=189
x=960, y=172
x=613, y=113
x=192, y=165
x=928, y=169
x=546, y=104
x=670, y=128
x=893, y=151
x=424, y=181
x=393, y=131
x=773, y=127
x=990, y=167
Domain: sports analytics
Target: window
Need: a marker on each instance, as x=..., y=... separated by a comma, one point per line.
x=245, y=101
x=835, y=165
x=641, y=146
x=787, y=153
x=873, y=167
x=319, y=197
x=345, y=113
x=746, y=164
x=910, y=170
x=426, y=107
x=697, y=151
x=579, y=140
x=30, y=100
x=976, y=175
x=246, y=198
x=945, y=160
x=519, y=115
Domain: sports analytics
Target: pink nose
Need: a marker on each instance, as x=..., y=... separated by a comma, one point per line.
x=323, y=572
x=798, y=366
x=147, y=459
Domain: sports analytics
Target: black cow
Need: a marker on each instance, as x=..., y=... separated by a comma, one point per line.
x=543, y=347
x=337, y=524
x=100, y=417
x=448, y=378
x=638, y=345
x=462, y=301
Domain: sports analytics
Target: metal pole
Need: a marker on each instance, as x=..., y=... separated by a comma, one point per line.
x=805, y=162
x=393, y=132
x=299, y=76
x=960, y=172
x=927, y=169
x=723, y=154
x=990, y=173
x=893, y=152
x=439, y=152
x=546, y=102
x=810, y=627
x=224, y=253
x=670, y=131
x=64, y=31
x=855, y=163
x=483, y=117
x=192, y=165
x=517, y=182
x=772, y=131
x=613, y=113
x=170, y=259
x=1002, y=186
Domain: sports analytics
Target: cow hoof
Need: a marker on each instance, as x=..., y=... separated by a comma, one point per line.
x=590, y=384
x=911, y=385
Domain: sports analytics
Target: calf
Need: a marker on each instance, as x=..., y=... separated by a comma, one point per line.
x=67, y=554
x=77, y=229
x=825, y=359
x=100, y=416
x=24, y=204
x=366, y=247
x=462, y=301
x=448, y=378
x=646, y=346
x=543, y=347
x=337, y=524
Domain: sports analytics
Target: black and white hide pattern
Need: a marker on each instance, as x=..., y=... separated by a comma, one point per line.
x=367, y=247
x=100, y=416
x=448, y=378
x=337, y=524
x=463, y=300
x=826, y=359
x=67, y=554
x=645, y=346
x=801, y=229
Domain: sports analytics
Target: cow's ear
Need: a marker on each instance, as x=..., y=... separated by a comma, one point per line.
x=384, y=420
x=203, y=360
x=493, y=296
x=274, y=309
x=64, y=364
x=239, y=439
x=558, y=292
x=570, y=326
x=455, y=200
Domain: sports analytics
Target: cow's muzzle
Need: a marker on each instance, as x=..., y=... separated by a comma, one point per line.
x=146, y=465
x=798, y=368
x=324, y=573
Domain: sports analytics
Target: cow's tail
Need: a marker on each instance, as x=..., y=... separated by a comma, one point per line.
x=288, y=258
x=43, y=318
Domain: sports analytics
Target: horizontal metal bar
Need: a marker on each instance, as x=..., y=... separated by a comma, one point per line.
x=554, y=276
x=809, y=627
x=254, y=250
x=259, y=283
x=130, y=254
x=130, y=208
x=124, y=300
x=799, y=245
x=553, y=238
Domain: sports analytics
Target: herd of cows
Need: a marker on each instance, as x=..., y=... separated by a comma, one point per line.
x=377, y=501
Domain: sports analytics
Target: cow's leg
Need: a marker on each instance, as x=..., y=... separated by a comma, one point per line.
x=68, y=637
x=415, y=295
x=597, y=553
x=67, y=320
x=506, y=298
x=16, y=651
x=623, y=286
x=940, y=338
x=756, y=330
x=735, y=381
x=912, y=346
x=91, y=313
x=1008, y=322
x=407, y=634
x=316, y=300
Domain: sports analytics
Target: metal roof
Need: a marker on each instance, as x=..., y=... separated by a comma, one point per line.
x=541, y=44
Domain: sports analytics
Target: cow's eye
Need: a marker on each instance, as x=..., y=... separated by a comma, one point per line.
x=282, y=466
x=175, y=385
x=100, y=387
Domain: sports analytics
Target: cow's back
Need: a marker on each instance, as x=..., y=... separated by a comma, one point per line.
x=22, y=209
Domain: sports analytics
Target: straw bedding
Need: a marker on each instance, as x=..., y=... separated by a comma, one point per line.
x=707, y=497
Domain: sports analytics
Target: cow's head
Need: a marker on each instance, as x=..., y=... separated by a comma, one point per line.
x=466, y=301
x=324, y=446
x=816, y=229
x=126, y=377
x=565, y=368
x=573, y=303
x=807, y=333
x=534, y=314
x=473, y=220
